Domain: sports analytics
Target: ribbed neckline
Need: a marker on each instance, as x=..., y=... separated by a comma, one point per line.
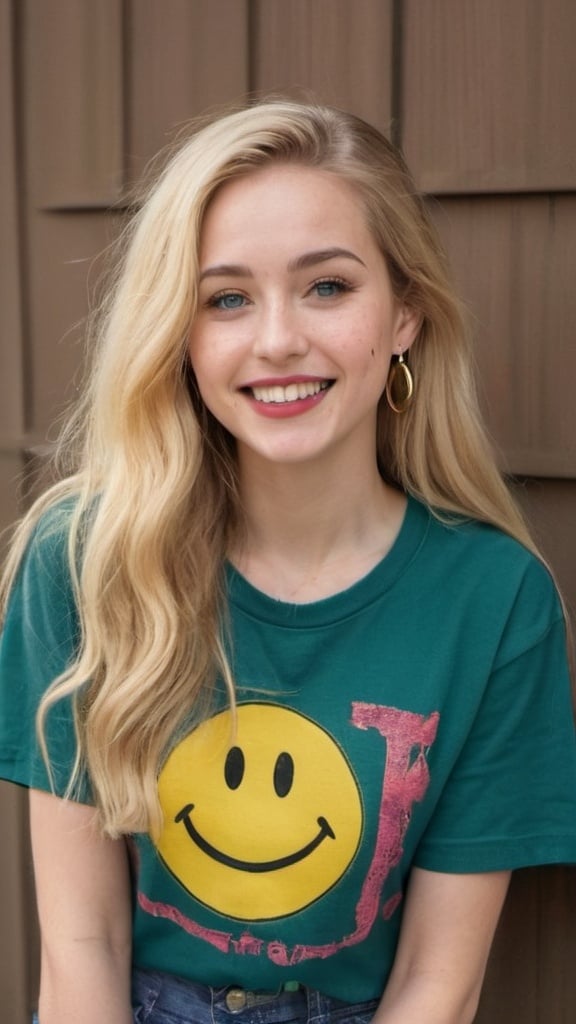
x=369, y=588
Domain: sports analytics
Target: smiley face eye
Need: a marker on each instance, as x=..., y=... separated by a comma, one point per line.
x=234, y=767
x=283, y=774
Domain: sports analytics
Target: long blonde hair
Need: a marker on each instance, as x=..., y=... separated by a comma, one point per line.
x=154, y=475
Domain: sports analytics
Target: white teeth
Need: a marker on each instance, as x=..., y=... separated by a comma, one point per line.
x=291, y=393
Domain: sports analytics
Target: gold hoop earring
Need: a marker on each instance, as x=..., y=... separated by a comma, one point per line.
x=400, y=385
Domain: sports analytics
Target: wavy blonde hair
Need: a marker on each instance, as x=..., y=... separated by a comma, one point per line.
x=155, y=475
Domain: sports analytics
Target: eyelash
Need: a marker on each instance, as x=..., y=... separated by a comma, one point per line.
x=339, y=283
x=342, y=286
x=214, y=300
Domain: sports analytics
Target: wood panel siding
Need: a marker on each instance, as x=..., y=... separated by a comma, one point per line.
x=488, y=94
x=64, y=265
x=514, y=260
x=18, y=946
x=12, y=402
x=182, y=60
x=337, y=51
x=551, y=507
x=74, y=102
x=18, y=952
x=530, y=977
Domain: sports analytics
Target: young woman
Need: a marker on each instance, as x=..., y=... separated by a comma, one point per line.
x=297, y=674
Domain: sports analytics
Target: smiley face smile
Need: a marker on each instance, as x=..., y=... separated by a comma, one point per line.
x=254, y=866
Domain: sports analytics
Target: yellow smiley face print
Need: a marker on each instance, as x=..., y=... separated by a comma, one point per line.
x=259, y=824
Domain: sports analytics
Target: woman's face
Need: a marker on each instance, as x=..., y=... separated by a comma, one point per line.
x=297, y=321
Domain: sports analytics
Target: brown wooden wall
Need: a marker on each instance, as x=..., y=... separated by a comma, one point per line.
x=481, y=95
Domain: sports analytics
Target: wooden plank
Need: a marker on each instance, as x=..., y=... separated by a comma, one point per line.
x=514, y=259
x=18, y=951
x=11, y=484
x=12, y=411
x=66, y=259
x=17, y=948
x=530, y=976
x=337, y=51
x=73, y=67
x=14, y=897
x=488, y=94
x=184, y=59
x=550, y=506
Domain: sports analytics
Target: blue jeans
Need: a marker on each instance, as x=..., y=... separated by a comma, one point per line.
x=164, y=999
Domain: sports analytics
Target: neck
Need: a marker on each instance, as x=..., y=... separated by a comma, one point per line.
x=312, y=530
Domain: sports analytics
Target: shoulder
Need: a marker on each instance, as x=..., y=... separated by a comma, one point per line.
x=39, y=641
x=41, y=629
x=51, y=531
x=494, y=576
x=485, y=550
x=43, y=579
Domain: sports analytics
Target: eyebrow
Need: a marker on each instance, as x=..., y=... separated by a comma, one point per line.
x=308, y=259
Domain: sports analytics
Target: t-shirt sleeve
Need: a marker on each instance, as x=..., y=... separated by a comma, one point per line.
x=38, y=642
x=510, y=799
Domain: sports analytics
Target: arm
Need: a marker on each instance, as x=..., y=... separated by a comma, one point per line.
x=83, y=894
x=447, y=930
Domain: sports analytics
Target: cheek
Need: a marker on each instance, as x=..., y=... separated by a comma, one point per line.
x=204, y=383
x=194, y=354
x=197, y=365
x=374, y=342
x=212, y=385
x=206, y=361
x=373, y=358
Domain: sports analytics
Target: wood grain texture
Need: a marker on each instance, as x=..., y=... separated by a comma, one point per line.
x=337, y=51
x=14, y=892
x=11, y=483
x=72, y=50
x=183, y=59
x=530, y=978
x=14, y=896
x=514, y=259
x=12, y=406
x=550, y=506
x=488, y=92
x=66, y=257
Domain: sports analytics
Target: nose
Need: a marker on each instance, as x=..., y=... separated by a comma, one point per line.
x=279, y=334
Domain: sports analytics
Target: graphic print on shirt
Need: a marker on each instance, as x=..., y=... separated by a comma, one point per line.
x=260, y=827
x=407, y=738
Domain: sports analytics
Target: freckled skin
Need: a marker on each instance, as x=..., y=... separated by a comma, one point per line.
x=263, y=823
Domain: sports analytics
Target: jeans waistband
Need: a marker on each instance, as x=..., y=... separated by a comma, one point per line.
x=173, y=995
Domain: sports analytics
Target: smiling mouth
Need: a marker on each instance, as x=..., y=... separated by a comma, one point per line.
x=278, y=394
x=325, y=832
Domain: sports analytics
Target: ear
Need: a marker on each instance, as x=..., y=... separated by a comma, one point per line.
x=406, y=327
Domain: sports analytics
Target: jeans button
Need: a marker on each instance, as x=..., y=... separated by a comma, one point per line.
x=236, y=1000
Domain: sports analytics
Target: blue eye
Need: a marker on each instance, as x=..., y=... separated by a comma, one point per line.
x=228, y=300
x=329, y=288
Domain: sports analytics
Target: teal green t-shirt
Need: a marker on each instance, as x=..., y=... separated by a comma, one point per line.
x=421, y=717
